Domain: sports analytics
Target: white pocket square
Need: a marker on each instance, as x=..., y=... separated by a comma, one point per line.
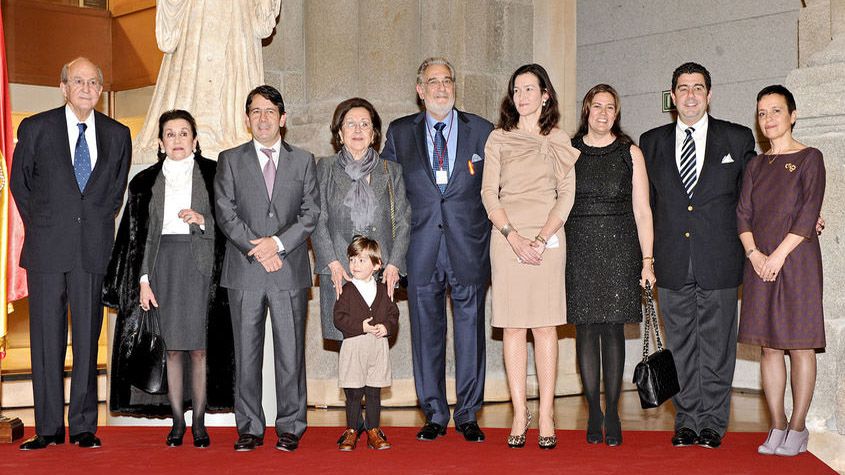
x=727, y=159
x=476, y=158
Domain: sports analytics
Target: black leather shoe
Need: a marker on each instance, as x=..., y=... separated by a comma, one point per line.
x=430, y=431
x=247, y=442
x=287, y=442
x=709, y=439
x=201, y=439
x=42, y=441
x=86, y=440
x=684, y=437
x=471, y=431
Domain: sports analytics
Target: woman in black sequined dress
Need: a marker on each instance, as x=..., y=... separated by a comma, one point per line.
x=609, y=250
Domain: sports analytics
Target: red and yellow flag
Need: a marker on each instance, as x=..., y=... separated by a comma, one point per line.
x=12, y=276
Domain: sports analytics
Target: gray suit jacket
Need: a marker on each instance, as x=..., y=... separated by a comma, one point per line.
x=244, y=212
x=202, y=241
x=334, y=229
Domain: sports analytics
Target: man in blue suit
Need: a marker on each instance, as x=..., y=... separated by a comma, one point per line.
x=441, y=151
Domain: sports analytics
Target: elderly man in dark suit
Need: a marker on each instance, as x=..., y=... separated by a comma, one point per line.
x=441, y=151
x=268, y=204
x=695, y=168
x=68, y=177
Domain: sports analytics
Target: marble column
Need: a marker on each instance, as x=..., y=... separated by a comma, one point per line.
x=821, y=123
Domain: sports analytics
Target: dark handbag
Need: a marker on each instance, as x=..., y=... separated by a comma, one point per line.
x=147, y=359
x=655, y=376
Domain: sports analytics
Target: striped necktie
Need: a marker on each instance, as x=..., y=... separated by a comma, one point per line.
x=687, y=168
x=440, y=153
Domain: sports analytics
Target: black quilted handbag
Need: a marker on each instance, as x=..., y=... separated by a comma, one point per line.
x=655, y=376
x=148, y=356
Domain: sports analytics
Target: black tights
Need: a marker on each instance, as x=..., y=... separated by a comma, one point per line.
x=599, y=347
x=354, y=417
x=176, y=393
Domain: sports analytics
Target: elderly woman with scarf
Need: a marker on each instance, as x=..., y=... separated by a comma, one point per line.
x=361, y=195
x=168, y=254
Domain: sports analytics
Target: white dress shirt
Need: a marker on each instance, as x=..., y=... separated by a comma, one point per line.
x=73, y=134
x=178, y=177
x=699, y=135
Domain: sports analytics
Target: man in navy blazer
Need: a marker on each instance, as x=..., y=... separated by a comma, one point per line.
x=695, y=168
x=68, y=177
x=441, y=151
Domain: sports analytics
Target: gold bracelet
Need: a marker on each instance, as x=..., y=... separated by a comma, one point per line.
x=649, y=258
x=541, y=239
x=506, y=229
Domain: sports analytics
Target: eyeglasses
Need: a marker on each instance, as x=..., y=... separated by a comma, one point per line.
x=435, y=82
x=78, y=83
x=363, y=125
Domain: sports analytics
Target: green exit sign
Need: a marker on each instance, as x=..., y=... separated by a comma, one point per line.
x=668, y=105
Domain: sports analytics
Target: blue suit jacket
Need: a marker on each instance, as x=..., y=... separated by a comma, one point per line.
x=458, y=213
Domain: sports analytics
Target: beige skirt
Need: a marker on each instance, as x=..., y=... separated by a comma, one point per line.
x=364, y=361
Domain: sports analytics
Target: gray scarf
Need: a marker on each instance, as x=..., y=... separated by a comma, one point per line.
x=361, y=200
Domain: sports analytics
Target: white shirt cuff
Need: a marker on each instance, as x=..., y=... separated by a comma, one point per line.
x=145, y=279
x=279, y=246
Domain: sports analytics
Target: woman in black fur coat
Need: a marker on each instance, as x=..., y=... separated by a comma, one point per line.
x=168, y=254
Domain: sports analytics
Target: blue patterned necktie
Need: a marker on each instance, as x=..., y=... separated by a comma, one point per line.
x=687, y=168
x=82, y=158
x=440, y=152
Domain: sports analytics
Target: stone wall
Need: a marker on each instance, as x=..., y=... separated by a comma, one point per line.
x=325, y=51
x=635, y=45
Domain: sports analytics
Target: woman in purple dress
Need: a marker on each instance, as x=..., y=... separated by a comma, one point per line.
x=781, y=198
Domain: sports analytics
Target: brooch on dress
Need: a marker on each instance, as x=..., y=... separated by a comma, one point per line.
x=790, y=167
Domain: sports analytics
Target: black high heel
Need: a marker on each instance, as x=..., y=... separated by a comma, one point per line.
x=201, y=438
x=518, y=441
x=174, y=438
x=594, y=429
x=613, y=431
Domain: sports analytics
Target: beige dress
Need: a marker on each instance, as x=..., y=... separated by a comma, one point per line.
x=531, y=177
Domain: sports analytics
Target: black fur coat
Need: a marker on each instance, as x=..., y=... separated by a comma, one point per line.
x=121, y=291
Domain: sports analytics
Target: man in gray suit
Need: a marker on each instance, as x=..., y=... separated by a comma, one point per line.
x=267, y=205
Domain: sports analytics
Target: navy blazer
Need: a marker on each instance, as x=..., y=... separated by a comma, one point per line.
x=702, y=229
x=458, y=213
x=65, y=226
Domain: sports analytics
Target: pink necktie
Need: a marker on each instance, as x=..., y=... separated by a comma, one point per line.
x=269, y=171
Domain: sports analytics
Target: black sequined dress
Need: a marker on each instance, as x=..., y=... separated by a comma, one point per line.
x=603, y=258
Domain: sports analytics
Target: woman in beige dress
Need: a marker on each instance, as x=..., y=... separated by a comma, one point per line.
x=528, y=190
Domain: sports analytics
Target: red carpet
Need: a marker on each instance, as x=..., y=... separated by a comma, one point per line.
x=142, y=450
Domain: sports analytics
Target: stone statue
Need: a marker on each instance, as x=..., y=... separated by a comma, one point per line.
x=212, y=59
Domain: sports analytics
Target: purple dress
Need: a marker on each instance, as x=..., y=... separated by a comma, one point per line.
x=783, y=194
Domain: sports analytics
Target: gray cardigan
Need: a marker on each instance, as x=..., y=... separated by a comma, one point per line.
x=334, y=229
x=202, y=242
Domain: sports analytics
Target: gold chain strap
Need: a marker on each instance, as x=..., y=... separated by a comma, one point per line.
x=392, y=200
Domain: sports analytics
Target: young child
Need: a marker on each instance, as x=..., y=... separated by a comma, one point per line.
x=366, y=316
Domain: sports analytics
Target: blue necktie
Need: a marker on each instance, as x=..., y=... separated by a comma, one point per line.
x=82, y=159
x=440, y=152
x=688, y=169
